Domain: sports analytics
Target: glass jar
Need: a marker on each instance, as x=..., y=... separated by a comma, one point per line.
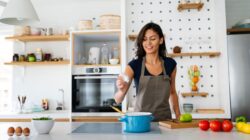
x=115, y=53
x=39, y=54
x=15, y=57
x=105, y=54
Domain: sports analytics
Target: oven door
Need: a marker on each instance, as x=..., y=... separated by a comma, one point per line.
x=93, y=93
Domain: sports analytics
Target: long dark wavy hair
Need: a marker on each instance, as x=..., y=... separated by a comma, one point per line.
x=140, y=53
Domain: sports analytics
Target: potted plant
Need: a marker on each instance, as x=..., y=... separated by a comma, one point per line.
x=43, y=125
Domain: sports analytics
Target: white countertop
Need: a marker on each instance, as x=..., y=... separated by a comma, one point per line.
x=61, y=131
x=49, y=113
x=68, y=114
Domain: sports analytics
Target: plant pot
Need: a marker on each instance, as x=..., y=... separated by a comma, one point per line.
x=43, y=126
x=137, y=122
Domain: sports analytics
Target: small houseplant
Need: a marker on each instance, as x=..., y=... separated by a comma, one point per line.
x=43, y=125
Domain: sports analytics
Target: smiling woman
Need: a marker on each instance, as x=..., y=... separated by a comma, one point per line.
x=153, y=74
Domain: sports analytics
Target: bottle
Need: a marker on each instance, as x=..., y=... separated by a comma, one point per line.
x=45, y=104
x=105, y=54
x=39, y=54
x=115, y=52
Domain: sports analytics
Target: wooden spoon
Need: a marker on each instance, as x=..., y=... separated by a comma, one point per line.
x=116, y=109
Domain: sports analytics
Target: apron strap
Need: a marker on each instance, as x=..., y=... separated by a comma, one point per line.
x=165, y=76
x=143, y=67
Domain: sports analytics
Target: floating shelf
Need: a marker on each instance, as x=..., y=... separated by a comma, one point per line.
x=132, y=37
x=210, y=54
x=192, y=94
x=238, y=30
x=39, y=38
x=197, y=6
x=65, y=62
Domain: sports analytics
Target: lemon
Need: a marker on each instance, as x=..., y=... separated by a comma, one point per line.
x=246, y=128
x=240, y=125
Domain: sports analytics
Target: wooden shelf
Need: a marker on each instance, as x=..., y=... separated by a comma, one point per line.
x=97, y=65
x=197, y=6
x=238, y=30
x=39, y=38
x=192, y=94
x=210, y=54
x=132, y=37
x=65, y=62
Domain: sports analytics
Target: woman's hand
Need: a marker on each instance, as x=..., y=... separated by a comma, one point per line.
x=122, y=83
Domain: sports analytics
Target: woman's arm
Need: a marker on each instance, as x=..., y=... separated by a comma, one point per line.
x=122, y=85
x=173, y=95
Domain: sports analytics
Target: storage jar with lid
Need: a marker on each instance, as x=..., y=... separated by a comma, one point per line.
x=39, y=54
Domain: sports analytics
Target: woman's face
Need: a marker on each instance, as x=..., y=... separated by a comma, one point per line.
x=151, y=42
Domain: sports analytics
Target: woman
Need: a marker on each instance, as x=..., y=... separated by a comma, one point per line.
x=153, y=74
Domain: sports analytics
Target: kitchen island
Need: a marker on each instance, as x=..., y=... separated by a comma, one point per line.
x=62, y=131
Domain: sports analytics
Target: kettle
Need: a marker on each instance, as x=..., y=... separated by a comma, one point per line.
x=94, y=55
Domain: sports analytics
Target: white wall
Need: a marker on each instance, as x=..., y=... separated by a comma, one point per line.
x=194, y=31
x=237, y=10
x=37, y=82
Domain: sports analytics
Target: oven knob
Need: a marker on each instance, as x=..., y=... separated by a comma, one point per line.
x=96, y=70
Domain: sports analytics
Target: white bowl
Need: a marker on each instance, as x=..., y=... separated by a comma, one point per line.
x=35, y=31
x=113, y=61
x=43, y=126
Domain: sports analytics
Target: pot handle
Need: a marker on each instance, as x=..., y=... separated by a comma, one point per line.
x=123, y=119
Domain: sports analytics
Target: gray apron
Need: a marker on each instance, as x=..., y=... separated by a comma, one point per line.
x=153, y=94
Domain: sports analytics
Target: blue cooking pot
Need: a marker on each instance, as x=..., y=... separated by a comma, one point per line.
x=136, y=122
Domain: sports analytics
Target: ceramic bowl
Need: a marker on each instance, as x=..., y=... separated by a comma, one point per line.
x=187, y=107
x=113, y=61
x=43, y=126
x=35, y=31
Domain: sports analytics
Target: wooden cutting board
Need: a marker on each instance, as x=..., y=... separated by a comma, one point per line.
x=175, y=125
x=210, y=111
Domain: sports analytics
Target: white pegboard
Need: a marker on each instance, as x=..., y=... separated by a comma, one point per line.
x=192, y=30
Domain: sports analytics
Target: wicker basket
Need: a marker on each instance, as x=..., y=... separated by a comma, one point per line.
x=22, y=30
x=85, y=25
x=110, y=22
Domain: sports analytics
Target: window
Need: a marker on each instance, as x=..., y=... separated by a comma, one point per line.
x=6, y=51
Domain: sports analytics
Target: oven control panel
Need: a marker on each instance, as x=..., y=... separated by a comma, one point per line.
x=96, y=70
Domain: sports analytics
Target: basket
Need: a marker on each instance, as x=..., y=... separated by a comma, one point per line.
x=110, y=22
x=85, y=25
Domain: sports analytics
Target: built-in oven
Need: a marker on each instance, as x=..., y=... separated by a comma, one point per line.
x=94, y=90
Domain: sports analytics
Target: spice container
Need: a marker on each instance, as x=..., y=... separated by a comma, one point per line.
x=45, y=104
x=22, y=58
x=39, y=54
x=15, y=57
x=31, y=57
